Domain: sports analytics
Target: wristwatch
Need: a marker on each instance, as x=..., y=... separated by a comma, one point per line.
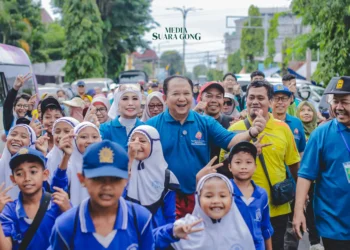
x=250, y=134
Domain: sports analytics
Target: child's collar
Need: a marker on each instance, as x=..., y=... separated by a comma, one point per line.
x=20, y=211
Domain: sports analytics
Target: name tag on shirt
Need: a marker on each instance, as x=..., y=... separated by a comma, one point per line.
x=347, y=170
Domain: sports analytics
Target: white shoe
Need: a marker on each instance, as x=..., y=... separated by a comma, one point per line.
x=317, y=247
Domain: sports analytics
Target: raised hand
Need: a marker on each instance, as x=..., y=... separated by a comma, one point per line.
x=200, y=107
x=42, y=144
x=92, y=117
x=259, y=124
x=182, y=231
x=208, y=169
x=134, y=147
x=66, y=143
x=20, y=80
x=36, y=125
x=260, y=145
x=60, y=197
x=4, y=197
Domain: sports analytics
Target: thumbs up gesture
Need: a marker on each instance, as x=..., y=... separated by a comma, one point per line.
x=259, y=124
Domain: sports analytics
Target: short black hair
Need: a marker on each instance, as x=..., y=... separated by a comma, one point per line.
x=288, y=77
x=21, y=96
x=29, y=159
x=230, y=156
x=168, y=79
x=259, y=84
x=257, y=73
x=229, y=74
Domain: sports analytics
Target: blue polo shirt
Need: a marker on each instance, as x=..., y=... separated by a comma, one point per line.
x=15, y=223
x=124, y=235
x=114, y=131
x=323, y=161
x=186, y=147
x=255, y=212
x=297, y=128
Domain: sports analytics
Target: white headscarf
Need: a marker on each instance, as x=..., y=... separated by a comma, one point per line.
x=55, y=156
x=5, y=170
x=114, y=111
x=146, y=183
x=75, y=165
x=101, y=98
x=146, y=114
x=230, y=233
x=234, y=113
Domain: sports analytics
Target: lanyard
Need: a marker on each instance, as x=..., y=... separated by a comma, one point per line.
x=342, y=135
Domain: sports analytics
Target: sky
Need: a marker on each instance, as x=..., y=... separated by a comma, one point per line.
x=210, y=22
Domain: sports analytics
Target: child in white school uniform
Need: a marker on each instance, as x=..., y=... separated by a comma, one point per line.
x=224, y=227
x=151, y=183
x=105, y=220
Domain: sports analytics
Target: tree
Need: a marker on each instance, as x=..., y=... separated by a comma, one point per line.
x=252, y=39
x=198, y=70
x=329, y=21
x=148, y=68
x=173, y=59
x=83, y=45
x=271, y=36
x=214, y=75
x=234, y=62
x=54, y=39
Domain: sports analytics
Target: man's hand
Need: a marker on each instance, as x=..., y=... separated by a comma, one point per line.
x=236, y=89
x=4, y=197
x=66, y=143
x=208, y=169
x=299, y=222
x=182, y=231
x=243, y=114
x=20, y=80
x=60, y=197
x=200, y=107
x=259, y=124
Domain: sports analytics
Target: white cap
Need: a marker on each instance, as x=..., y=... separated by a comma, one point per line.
x=104, y=90
x=113, y=86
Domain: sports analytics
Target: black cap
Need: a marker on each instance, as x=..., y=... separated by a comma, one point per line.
x=23, y=120
x=243, y=146
x=50, y=102
x=341, y=88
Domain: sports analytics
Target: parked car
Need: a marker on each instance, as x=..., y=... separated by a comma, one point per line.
x=91, y=83
x=132, y=76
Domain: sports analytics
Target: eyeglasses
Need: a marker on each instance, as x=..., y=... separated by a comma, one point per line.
x=153, y=106
x=280, y=98
x=335, y=102
x=22, y=106
x=101, y=110
x=228, y=103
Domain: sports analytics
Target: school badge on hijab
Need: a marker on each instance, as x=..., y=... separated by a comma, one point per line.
x=106, y=155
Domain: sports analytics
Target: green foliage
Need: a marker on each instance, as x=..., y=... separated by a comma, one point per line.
x=54, y=40
x=252, y=40
x=272, y=35
x=330, y=33
x=172, y=58
x=198, y=70
x=214, y=75
x=21, y=26
x=234, y=62
x=83, y=43
x=148, y=68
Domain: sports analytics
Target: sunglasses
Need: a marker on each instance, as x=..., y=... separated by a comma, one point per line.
x=228, y=103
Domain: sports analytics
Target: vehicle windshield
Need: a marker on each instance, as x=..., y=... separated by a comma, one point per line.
x=319, y=91
x=48, y=90
x=131, y=78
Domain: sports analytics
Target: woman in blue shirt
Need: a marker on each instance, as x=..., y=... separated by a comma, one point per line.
x=124, y=110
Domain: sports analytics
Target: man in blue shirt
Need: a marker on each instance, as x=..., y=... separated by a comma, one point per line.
x=105, y=220
x=186, y=137
x=327, y=160
x=280, y=103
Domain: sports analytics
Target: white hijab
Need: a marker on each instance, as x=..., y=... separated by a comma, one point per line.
x=230, y=233
x=146, y=114
x=75, y=165
x=55, y=156
x=146, y=183
x=5, y=170
x=114, y=111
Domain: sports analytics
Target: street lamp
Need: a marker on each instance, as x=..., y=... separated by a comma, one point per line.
x=184, y=12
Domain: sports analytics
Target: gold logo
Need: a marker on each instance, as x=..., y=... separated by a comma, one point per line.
x=280, y=87
x=340, y=84
x=23, y=151
x=106, y=155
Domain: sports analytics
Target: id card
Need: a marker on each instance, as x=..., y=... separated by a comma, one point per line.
x=347, y=170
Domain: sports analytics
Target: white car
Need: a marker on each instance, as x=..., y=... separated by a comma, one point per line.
x=91, y=83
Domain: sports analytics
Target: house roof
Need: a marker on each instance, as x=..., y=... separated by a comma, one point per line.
x=45, y=16
x=147, y=55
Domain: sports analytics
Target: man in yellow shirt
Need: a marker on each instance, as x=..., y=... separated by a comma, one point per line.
x=282, y=152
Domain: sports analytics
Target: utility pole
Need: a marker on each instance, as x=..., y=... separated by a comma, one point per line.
x=184, y=12
x=160, y=54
